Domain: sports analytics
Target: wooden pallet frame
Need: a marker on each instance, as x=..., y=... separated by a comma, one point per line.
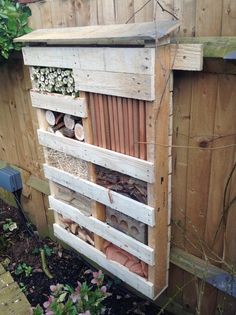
x=152, y=68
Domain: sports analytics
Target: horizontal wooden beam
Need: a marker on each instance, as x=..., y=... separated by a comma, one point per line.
x=115, y=268
x=119, y=59
x=218, y=278
x=60, y=103
x=128, y=206
x=187, y=57
x=115, y=161
x=104, y=230
x=39, y=184
x=120, y=71
x=213, y=47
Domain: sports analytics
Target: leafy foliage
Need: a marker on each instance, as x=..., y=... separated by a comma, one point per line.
x=23, y=268
x=9, y=225
x=85, y=299
x=13, y=23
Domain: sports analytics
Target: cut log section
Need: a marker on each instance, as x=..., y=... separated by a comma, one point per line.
x=53, y=118
x=79, y=132
x=70, y=133
x=69, y=121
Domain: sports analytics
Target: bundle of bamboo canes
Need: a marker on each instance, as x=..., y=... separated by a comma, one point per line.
x=119, y=124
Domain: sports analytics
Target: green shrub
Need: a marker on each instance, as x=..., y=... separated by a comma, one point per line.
x=13, y=23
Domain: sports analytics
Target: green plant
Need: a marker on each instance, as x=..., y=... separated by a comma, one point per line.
x=13, y=23
x=83, y=300
x=23, y=268
x=9, y=225
x=47, y=250
x=23, y=288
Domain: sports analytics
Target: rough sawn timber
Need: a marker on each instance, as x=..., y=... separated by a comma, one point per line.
x=119, y=162
x=128, y=206
x=132, y=279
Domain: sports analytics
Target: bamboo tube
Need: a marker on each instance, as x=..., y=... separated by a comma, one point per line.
x=126, y=125
x=102, y=120
x=107, y=125
x=93, y=118
x=136, y=127
x=111, y=123
x=131, y=127
x=142, y=130
x=98, y=120
x=121, y=124
x=116, y=125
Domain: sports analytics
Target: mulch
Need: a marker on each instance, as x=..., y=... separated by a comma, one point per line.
x=67, y=267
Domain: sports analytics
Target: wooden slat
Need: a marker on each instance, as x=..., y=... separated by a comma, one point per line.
x=208, y=18
x=158, y=236
x=124, y=60
x=104, y=230
x=103, y=195
x=92, y=253
x=202, y=269
x=113, y=160
x=101, y=33
x=228, y=18
x=60, y=103
x=187, y=57
x=213, y=47
x=139, y=86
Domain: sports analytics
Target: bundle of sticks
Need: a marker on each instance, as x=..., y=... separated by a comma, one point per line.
x=123, y=184
x=65, y=125
x=76, y=229
x=119, y=124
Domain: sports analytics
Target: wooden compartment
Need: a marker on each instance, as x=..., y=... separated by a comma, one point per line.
x=125, y=107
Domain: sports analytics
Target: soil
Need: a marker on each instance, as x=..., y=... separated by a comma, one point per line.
x=67, y=267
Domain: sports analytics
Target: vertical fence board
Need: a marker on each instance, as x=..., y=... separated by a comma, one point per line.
x=182, y=110
x=229, y=18
x=208, y=17
x=201, y=126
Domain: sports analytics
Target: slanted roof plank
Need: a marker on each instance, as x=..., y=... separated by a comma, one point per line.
x=101, y=33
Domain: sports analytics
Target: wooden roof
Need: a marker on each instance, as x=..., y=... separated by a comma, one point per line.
x=98, y=34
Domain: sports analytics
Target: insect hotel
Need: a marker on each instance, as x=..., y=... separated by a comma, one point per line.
x=104, y=102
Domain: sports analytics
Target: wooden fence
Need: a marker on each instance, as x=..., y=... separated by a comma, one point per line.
x=204, y=133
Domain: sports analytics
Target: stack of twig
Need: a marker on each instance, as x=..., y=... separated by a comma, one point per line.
x=76, y=229
x=123, y=184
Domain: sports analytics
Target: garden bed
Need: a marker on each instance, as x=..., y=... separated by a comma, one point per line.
x=19, y=253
